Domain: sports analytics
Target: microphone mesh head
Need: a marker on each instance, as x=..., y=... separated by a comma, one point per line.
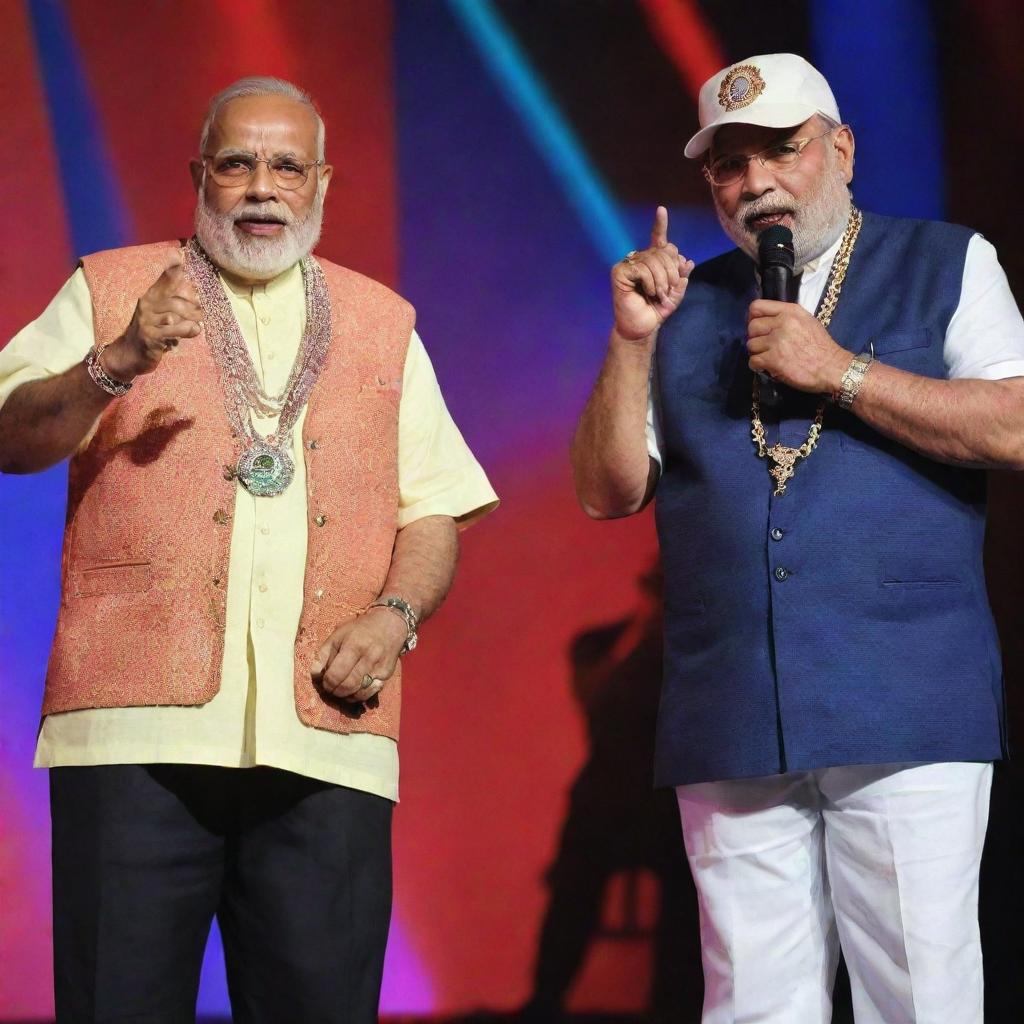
x=775, y=246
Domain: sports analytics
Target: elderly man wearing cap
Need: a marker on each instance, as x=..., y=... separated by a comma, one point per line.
x=832, y=691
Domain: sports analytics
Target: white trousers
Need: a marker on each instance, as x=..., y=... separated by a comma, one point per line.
x=883, y=859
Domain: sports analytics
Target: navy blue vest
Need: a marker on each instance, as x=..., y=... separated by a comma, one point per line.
x=845, y=622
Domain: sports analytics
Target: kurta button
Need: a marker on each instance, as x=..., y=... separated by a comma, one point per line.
x=321, y=520
x=220, y=517
x=781, y=574
x=777, y=534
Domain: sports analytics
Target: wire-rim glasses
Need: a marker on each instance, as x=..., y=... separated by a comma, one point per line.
x=236, y=168
x=780, y=156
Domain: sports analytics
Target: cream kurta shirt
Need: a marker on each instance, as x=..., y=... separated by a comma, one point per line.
x=252, y=719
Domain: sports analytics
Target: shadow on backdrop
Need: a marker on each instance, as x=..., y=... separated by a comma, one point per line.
x=620, y=874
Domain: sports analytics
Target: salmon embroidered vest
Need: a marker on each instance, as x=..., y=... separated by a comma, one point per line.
x=150, y=509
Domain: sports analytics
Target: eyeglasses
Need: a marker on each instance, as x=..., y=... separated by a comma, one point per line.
x=727, y=170
x=234, y=169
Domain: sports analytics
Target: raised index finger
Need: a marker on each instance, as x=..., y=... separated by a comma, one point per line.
x=659, y=233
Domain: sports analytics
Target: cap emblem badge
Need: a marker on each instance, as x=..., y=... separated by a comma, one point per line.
x=740, y=87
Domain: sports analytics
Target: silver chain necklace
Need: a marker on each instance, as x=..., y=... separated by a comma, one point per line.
x=265, y=466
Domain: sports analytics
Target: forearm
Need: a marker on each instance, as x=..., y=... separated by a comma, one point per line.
x=612, y=470
x=423, y=564
x=44, y=421
x=975, y=423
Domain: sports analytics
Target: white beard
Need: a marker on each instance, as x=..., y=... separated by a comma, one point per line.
x=257, y=257
x=818, y=218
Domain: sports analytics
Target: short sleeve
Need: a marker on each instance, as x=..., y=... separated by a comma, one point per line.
x=653, y=429
x=985, y=336
x=437, y=473
x=50, y=345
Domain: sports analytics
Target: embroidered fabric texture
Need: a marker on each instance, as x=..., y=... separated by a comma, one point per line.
x=147, y=543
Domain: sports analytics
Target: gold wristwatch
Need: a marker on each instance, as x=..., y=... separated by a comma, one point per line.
x=851, y=382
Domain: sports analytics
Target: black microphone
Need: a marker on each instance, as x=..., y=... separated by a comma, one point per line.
x=775, y=259
x=775, y=256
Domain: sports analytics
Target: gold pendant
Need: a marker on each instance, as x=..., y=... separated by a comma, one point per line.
x=784, y=459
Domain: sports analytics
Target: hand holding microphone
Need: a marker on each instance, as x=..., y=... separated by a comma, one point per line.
x=787, y=344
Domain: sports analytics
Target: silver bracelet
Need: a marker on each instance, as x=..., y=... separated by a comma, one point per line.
x=102, y=379
x=852, y=380
x=403, y=608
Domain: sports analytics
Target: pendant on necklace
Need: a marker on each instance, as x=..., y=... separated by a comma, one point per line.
x=785, y=462
x=265, y=471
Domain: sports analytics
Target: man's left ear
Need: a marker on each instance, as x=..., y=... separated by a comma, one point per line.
x=845, y=146
x=325, y=174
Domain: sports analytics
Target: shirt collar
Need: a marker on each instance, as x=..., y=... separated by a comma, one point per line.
x=824, y=261
x=270, y=288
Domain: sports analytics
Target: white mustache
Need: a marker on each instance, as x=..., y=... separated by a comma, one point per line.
x=764, y=208
x=256, y=213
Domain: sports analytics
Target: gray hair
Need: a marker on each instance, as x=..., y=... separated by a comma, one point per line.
x=261, y=85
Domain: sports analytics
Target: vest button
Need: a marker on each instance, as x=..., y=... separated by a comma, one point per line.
x=781, y=574
x=220, y=517
x=229, y=473
x=321, y=520
x=314, y=444
x=777, y=534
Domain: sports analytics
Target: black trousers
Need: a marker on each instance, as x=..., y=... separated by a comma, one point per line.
x=298, y=873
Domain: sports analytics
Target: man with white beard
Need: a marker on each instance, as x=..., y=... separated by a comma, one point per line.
x=265, y=491
x=832, y=694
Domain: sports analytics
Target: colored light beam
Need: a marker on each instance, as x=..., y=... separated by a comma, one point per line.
x=546, y=126
x=92, y=194
x=680, y=30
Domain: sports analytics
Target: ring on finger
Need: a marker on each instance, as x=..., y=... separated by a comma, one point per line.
x=630, y=256
x=367, y=682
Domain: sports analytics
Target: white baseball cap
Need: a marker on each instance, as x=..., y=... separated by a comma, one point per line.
x=774, y=90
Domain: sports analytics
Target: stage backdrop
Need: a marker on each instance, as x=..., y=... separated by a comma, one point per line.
x=491, y=160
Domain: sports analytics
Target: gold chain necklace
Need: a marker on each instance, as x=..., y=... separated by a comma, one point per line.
x=783, y=459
